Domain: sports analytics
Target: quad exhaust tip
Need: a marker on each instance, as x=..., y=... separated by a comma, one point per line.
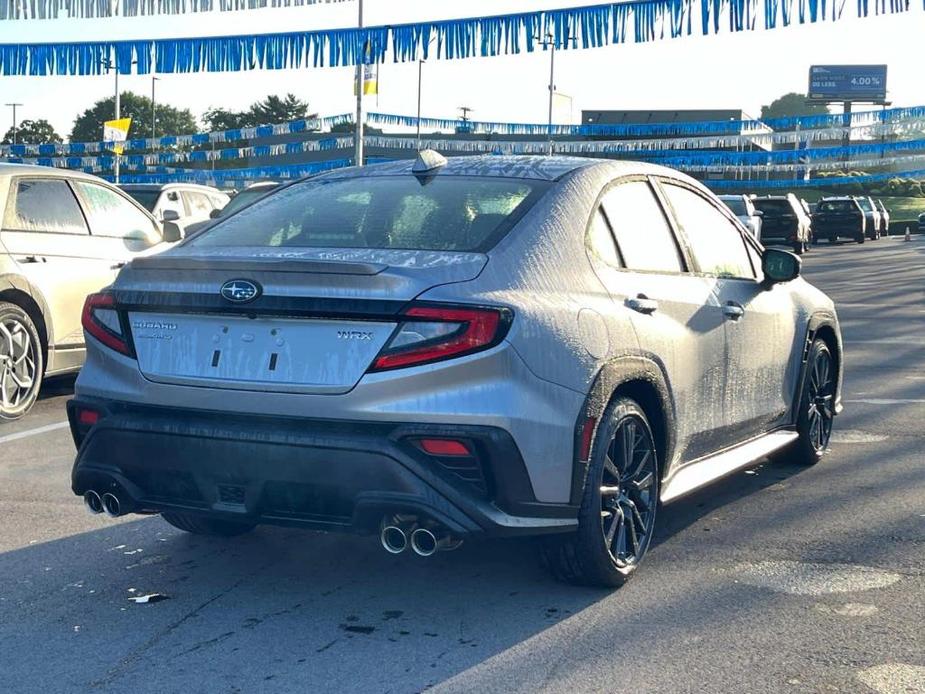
x=93, y=502
x=111, y=505
x=394, y=540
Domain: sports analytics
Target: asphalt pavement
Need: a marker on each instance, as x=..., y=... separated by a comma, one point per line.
x=778, y=579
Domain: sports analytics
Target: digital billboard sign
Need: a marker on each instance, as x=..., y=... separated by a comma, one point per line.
x=847, y=83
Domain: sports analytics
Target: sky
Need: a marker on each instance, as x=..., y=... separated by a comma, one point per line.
x=736, y=71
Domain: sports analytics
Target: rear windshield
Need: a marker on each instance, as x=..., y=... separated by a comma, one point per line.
x=441, y=213
x=737, y=205
x=245, y=198
x=774, y=206
x=837, y=206
x=147, y=198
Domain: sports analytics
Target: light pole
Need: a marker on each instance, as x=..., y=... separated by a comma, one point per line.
x=420, y=73
x=549, y=40
x=14, y=120
x=154, y=81
x=358, y=133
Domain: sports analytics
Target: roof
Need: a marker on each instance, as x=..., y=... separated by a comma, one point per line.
x=8, y=169
x=542, y=168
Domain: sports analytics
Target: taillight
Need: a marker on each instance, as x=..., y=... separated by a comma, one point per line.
x=434, y=333
x=101, y=320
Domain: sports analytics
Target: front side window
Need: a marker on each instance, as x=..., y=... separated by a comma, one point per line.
x=114, y=216
x=716, y=243
x=46, y=205
x=443, y=213
x=645, y=240
x=170, y=200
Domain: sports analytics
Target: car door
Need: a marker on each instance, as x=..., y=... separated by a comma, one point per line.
x=760, y=325
x=45, y=232
x=678, y=321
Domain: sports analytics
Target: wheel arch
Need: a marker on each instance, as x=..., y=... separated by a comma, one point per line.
x=641, y=379
x=824, y=326
x=17, y=290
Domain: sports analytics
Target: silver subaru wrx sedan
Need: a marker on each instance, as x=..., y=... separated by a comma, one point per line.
x=436, y=350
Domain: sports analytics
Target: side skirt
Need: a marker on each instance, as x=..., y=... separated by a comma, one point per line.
x=701, y=472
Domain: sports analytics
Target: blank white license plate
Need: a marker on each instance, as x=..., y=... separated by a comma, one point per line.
x=300, y=355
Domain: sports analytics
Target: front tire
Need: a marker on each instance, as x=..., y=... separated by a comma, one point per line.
x=817, y=406
x=620, y=500
x=198, y=525
x=21, y=362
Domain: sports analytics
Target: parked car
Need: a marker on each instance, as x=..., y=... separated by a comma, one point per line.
x=784, y=221
x=840, y=216
x=249, y=195
x=435, y=350
x=884, y=217
x=63, y=235
x=182, y=203
x=872, y=216
x=922, y=223
x=743, y=208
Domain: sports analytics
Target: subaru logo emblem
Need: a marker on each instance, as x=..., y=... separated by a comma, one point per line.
x=240, y=291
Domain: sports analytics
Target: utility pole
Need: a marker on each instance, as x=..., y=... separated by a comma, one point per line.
x=358, y=133
x=118, y=109
x=550, y=41
x=154, y=80
x=464, y=112
x=14, y=120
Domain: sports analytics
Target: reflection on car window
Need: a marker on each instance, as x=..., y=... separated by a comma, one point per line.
x=645, y=240
x=45, y=205
x=112, y=215
x=199, y=205
x=715, y=241
x=446, y=213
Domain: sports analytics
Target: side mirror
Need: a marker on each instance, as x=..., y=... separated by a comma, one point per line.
x=759, y=213
x=172, y=232
x=170, y=216
x=779, y=266
x=215, y=214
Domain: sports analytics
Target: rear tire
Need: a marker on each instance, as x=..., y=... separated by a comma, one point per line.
x=860, y=238
x=817, y=407
x=617, y=515
x=833, y=239
x=197, y=525
x=22, y=362
x=799, y=247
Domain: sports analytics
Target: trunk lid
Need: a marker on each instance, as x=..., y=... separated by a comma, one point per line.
x=320, y=318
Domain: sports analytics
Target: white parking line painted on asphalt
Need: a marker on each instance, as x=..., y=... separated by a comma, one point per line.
x=32, y=432
x=890, y=401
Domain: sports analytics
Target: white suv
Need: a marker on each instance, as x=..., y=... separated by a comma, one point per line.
x=181, y=203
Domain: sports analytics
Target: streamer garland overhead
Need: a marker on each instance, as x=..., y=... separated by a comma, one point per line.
x=576, y=27
x=91, y=9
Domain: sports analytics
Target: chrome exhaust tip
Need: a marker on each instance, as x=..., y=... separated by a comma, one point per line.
x=424, y=542
x=111, y=505
x=393, y=539
x=93, y=502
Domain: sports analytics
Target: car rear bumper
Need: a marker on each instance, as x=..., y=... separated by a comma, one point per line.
x=328, y=474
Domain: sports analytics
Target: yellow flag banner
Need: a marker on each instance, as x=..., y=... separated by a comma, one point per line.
x=370, y=80
x=116, y=132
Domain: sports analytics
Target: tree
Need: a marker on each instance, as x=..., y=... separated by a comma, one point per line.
x=350, y=128
x=169, y=121
x=792, y=104
x=32, y=132
x=273, y=109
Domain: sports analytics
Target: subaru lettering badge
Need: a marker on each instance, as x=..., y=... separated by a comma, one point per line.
x=240, y=291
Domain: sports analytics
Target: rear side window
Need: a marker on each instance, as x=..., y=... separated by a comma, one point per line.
x=46, y=205
x=600, y=240
x=442, y=213
x=112, y=215
x=198, y=203
x=775, y=207
x=716, y=243
x=644, y=238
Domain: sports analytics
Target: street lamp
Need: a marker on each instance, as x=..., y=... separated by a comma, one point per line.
x=550, y=41
x=14, y=120
x=154, y=81
x=421, y=62
x=110, y=64
x=358, y=132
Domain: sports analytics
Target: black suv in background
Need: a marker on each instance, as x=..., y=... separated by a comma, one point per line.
x=784, y=221
x=840, y=216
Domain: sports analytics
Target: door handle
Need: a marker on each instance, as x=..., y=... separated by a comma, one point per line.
x=117, y=266
x=733, y=310
x=642, y=304
x=30, y=259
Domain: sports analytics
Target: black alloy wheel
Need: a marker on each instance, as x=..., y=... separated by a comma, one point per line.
x=617, y=516
x=817, y=406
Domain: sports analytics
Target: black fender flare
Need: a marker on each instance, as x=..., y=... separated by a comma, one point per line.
x=16, y=282
x=613, y=374
x=820, y=320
